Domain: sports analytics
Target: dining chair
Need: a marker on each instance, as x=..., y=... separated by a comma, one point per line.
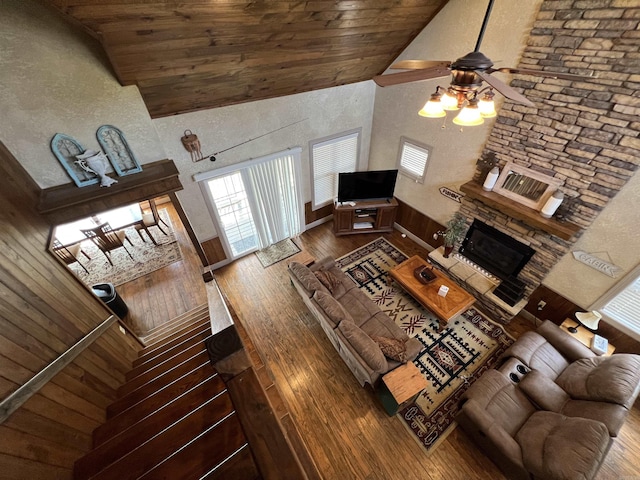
x=107, y=239
x=151, y=219
x=69, y=254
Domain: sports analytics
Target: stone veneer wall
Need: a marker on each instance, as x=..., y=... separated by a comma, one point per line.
x=584, y=133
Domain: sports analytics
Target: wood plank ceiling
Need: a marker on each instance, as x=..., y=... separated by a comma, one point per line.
x=197, y=54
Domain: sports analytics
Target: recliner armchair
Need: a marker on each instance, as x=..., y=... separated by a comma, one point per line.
x=526, y=442
x=576, y=369
x=552, y=408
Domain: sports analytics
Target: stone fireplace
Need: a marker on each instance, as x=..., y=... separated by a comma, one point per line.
x=584, y=134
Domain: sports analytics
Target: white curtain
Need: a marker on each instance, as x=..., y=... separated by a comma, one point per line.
x=275, y=205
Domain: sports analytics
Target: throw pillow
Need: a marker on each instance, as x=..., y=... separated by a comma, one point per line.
x=306, y=278
x=392, y=348
x=332, y=308
x=365, y=346
x=328, y=279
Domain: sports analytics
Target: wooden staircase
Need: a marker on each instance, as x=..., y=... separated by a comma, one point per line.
x=174, y=417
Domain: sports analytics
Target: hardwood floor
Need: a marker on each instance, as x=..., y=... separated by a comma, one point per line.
x=169, y=292
x=343, y=425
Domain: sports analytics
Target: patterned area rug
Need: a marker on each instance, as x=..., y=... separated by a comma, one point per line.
x=147, y=257
x=451, y=359
x=277, y=252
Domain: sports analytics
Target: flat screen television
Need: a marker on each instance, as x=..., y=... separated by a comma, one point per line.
x=373, y=185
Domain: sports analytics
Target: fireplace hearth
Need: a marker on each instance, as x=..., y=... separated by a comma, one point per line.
x=490, y=262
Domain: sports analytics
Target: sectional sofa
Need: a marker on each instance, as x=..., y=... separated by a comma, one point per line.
x=367, y=339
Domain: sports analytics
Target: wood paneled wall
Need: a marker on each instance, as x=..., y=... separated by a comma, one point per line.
x=44, y=310
x=213, y=250
x=311, y=215
x=418, y=223
x=558, y=308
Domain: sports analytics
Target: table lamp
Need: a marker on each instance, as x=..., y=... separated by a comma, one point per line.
x=589, y=320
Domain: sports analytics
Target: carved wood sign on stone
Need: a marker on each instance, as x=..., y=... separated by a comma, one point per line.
x=597, y=263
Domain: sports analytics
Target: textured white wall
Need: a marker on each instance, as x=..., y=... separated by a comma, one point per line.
x=614, y=237
x=54, y=79
x=323, y=112
x=452, y=34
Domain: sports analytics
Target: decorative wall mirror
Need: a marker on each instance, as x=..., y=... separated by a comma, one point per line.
x=525, y=186
x=114, y=144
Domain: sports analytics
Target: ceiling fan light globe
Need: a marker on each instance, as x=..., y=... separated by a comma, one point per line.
x=469, y=116
x=432, y=109
x=487, y=108
x=449, y=101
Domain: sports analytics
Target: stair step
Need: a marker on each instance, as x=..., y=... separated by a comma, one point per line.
x=152, y=341
x=149, y=352
x=159, y=333
x=160, y=369
x=156, y=401
x=204, y=453
x=161, y=447
x=156, y=384
x=161, y=357
x=150, y=426
x=185, y=317
x=239, y=465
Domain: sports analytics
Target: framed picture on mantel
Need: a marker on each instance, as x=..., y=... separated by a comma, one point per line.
x=525, y=186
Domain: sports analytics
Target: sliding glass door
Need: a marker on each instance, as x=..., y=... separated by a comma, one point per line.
x=233, y=213
x=257, y=203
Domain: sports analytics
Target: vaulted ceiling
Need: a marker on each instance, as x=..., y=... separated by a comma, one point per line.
x=196, y=54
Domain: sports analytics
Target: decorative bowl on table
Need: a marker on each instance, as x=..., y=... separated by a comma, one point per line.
x=424, y=274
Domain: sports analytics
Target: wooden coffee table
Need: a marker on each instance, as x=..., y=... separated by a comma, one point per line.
x=445, y=308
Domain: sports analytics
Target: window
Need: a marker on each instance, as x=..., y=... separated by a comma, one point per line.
x=330, y=156
x=412, y=159
x=621, y=304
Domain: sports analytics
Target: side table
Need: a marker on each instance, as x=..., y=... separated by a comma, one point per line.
x=583, y=335
x=303, y=257
x=400, y=387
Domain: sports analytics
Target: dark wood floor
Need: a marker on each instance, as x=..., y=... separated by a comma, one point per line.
x=344, y=427
x=166, y=293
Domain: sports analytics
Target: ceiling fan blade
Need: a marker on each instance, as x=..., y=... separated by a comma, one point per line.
x=543, y=73
x=419, y=64
x=411, y=76
x=504, y=89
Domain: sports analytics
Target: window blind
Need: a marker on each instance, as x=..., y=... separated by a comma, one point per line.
x=624, y=307
x=413, y=160
x=329, y=158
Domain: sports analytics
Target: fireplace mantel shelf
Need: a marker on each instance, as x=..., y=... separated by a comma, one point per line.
x=564, y=230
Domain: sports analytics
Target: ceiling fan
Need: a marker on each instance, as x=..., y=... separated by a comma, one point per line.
x=467, y=76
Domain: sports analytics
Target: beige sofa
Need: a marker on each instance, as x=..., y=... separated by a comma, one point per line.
x=364, y=336
x=552, y=408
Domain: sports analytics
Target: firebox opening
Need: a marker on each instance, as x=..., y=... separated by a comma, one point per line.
x=495, y=251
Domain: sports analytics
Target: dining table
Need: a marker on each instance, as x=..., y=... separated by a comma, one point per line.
x=69, y=234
